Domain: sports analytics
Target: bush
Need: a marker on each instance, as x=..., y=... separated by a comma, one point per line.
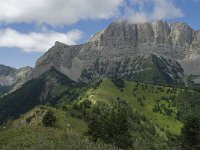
x=118, y=82
x=111, y=125
x=49, y=119
x=81, y=110
x=191, y=134
x=86, y=103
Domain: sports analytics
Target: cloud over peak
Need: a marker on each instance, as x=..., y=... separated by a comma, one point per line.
x=66, y=12
x=139, y=11
x=56, y=12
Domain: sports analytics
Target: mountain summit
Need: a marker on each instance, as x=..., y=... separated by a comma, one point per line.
x=125, y=49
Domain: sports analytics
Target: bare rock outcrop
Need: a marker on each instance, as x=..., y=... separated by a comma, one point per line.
x=123, y=40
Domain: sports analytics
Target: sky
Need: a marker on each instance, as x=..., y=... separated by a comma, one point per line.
x=28, y=28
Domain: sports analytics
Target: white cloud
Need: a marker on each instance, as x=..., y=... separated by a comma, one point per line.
x=36, y=42
x=165, y=9
x=65, y=12
x=56, y=12
x=140, y=11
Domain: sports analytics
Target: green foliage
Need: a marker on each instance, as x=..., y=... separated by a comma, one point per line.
x=52, y=87
x=118, y=82
x=157, y=72
x=20, y=101
x=188, y=103
x=111, y=124
x=158, y=62
x=49, y=119
x=191, y=134
x=95, y=84
x=119, y=125
x=40, y=138
x=134, y=93
x=164, y=109
x=123, y=119
x=80, y=110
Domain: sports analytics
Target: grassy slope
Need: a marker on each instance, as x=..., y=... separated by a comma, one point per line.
x=35, y=136
x=23, y=135
x=63, y=120
x=108, y=91
x=40, y=138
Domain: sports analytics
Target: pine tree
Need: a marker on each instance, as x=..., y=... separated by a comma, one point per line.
x=191, y=134
x=49, y=119
x=111, y=124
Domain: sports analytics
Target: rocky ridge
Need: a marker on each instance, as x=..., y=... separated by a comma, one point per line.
x=121, y=41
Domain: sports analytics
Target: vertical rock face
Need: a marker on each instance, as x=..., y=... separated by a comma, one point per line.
x=181, y=34
x=125, y=39
x=145, y=33
x=121, y=41
x=118, y=34
x=161, y=32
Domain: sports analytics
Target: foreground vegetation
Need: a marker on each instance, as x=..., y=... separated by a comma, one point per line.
x=107, y=114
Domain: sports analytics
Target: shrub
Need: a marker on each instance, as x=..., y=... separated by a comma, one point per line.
x=49, y=119
x=191, y=133
x=111, y=125
x=118, y=82
x=81, y=110
x=86, y=103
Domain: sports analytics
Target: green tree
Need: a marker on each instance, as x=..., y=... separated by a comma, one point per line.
x=111, y=124
x=119, y=82
x=49, y=119
x=191, y=134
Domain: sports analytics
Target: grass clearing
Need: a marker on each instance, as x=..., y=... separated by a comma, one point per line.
x=108, y=91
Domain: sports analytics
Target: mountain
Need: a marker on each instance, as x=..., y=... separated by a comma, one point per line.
x=127, y=87
x=11, y=78
x=52, y=88
x=120, y=49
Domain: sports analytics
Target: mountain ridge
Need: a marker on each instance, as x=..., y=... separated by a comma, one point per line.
x=122, y=40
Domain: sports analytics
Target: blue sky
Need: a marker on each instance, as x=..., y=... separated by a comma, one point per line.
x=28, y=28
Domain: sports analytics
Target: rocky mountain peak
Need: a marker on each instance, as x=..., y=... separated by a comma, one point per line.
x=120, y=41
x=57, y=43
x=59, y=46
x=156, y=31
x=61, y=57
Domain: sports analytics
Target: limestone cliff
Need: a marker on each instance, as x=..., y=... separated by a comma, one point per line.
x=122, y=41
